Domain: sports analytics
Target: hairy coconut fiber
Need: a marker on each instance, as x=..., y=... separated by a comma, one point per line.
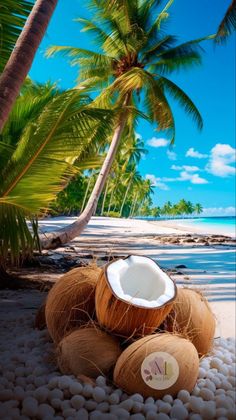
x=88, y=351
x=71, y=301
x=125, y=318
x=40, y=320
x=128, y=373
x=193, y=317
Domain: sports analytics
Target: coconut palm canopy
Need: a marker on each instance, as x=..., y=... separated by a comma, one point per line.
x=228, y=23
x=136, y=58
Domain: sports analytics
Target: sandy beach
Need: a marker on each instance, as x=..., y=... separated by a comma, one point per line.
x=208, y=268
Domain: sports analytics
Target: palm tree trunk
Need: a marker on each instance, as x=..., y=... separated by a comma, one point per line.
x=22, y=56
x=125, y=196
x=110, y=202
x=66, y=234
x=86, y=193
x=134, y=206
x=104, y=198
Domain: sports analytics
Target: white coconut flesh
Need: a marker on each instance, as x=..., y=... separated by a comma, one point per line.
x=140, y=281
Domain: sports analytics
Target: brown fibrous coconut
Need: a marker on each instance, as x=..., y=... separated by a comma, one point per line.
x=133, y=296
x=71, y=301
x=192, y=317
x=130, y=375
x=88, y=351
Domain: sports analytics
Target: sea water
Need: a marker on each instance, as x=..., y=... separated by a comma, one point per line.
x=215, y=225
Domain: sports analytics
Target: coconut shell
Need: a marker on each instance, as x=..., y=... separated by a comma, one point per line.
x=130, y=375
x=193, y=317
x=123, y=318
x=71, y=301
x=88, y=351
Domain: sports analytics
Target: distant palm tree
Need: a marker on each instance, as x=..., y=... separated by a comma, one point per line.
x=228, y=23
x=21, y=58
x=133, y=55
x=198, y=208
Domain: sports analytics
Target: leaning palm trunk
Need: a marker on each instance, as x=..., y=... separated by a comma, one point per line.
x=66, y=234
x=23, y=54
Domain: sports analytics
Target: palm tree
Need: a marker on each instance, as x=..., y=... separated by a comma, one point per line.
x=21, y=58
x=198, y=208
x=228, y=23
x=38, y=159
x=133, y=56
x=131, y=177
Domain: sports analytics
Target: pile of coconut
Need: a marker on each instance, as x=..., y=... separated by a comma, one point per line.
x=128, y=322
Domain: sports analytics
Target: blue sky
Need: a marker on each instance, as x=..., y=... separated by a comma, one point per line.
x=200, y=167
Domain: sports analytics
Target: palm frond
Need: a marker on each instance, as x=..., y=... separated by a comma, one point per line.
x=183, y=99
x=13, y=15
x=228, y=23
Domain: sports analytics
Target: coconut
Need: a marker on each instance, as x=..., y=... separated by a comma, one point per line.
x=133, y=296
x=157, y=365
x=193, y=317
x=88, y=351
x=71, y=301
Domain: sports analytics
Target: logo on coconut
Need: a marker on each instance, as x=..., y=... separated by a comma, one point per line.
x=160, y=370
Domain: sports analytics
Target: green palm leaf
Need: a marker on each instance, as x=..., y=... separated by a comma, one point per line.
x=13, y=15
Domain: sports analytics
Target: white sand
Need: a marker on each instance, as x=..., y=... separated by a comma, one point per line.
x=212, y=269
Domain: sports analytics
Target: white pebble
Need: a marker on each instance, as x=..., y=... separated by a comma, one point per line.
x=164, y=407
x=202, y=372
x=5, y=395
x=56, y=393
x=120, y=413
x=30, y=407
x=56, y=403
x=127, y=404
x=45, y=410
x=103, y=407
x=208, y=410
x=99, y=394
x=82, y=414
x=101, y=381
x=221, y=412
x=75, y=388
x=179, y=412
x=206, y=394
x=196, y=404
x=151, y=415
x=195, y=417
x=64, y=382
x=69, y=412
x=162, y=416
x=150, y=408
x=77, y=401
x=138, y=416
x=114, y=398
x=90, y=405
x=137, y=407
x=137, y=397
x=184, y=395
x=88, y=390
x=168, y=398
x=41, y=394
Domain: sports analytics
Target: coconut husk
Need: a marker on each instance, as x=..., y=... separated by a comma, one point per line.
x=128, y=373
x=192, y=317
x=88, y=352
x=124, y=318
x=71, y=301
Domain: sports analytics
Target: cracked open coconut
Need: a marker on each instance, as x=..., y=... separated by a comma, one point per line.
x=133, y=296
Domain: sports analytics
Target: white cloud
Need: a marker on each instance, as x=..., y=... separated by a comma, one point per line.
x=185, y=168
x=219, y=211
x=221, y=156
x=155, y=142
x=193, y=178
x=171, y=155
x=156, y=182
x=195, y=154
